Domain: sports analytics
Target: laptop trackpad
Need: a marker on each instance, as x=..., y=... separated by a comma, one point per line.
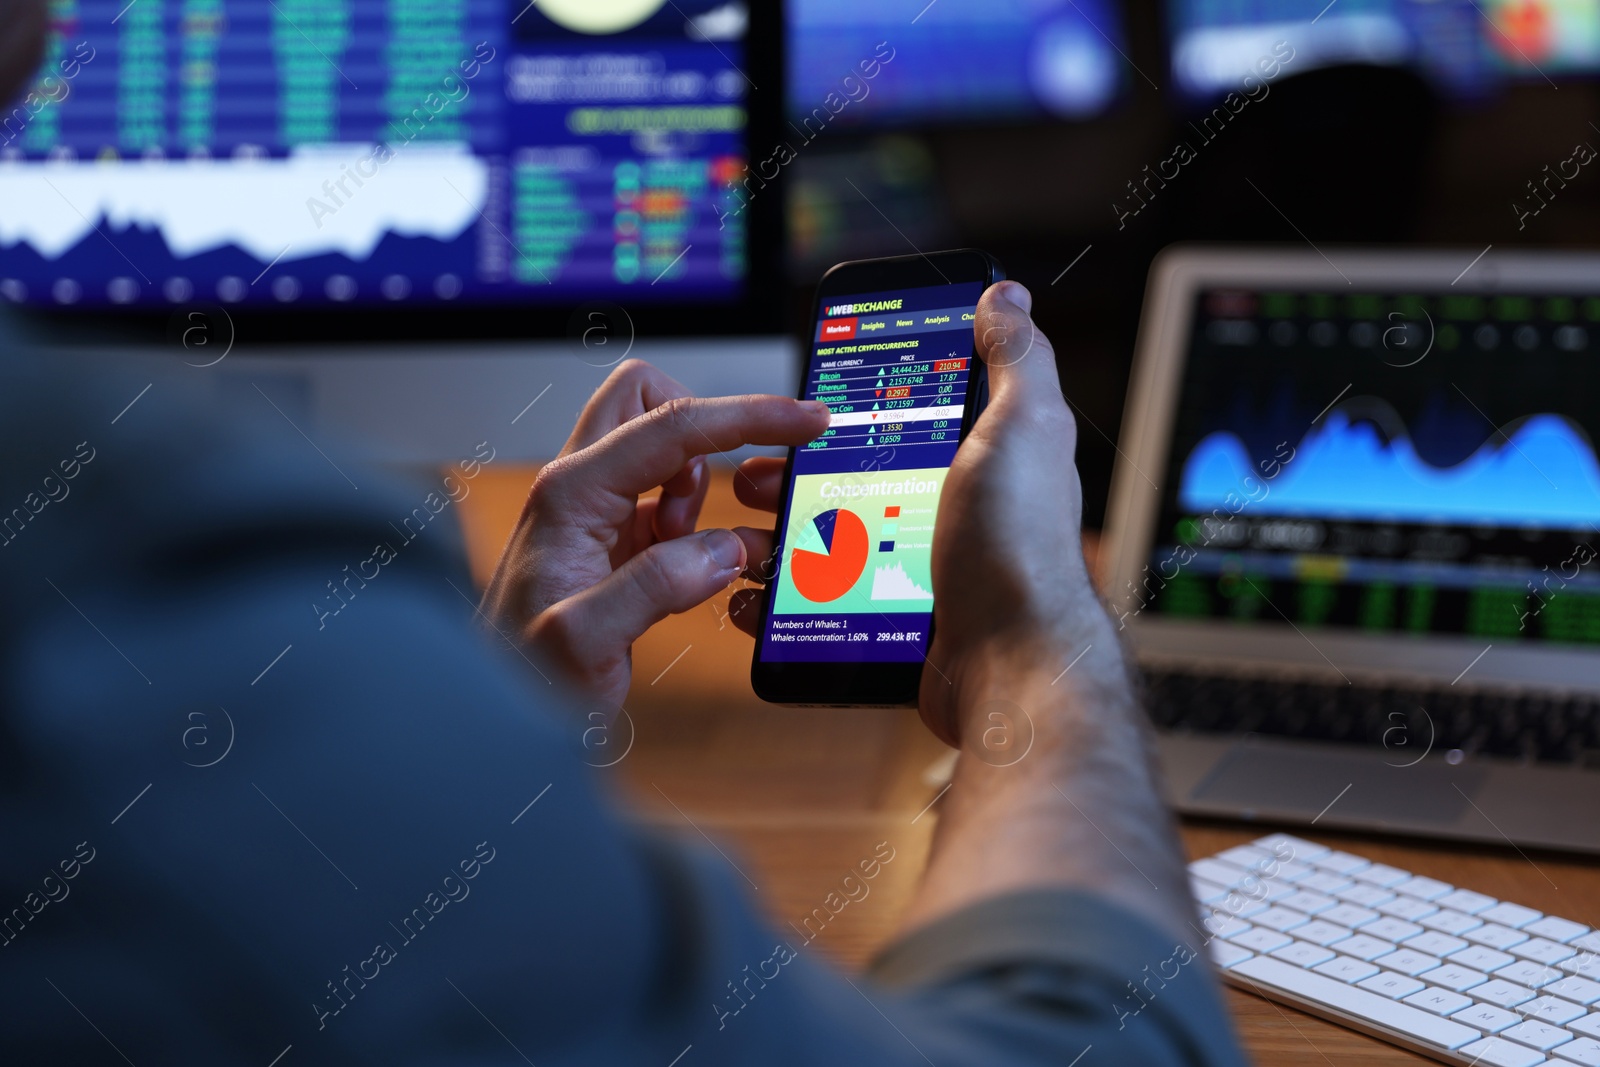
x=1266, y=778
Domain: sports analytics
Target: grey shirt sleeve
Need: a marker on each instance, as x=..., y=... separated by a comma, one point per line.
x=1045, y=971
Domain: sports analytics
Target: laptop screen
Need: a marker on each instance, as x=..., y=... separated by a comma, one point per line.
x=1402, y=462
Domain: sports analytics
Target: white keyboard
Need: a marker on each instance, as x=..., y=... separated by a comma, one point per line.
x=1447, y=972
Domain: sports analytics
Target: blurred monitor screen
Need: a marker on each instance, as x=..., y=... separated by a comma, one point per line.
x=1464, y=47
x=380, y=153
x=953, y=60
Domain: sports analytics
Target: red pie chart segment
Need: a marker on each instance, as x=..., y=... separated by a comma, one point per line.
x=824, y=576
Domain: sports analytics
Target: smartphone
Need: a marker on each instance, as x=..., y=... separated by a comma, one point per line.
x=847, y=616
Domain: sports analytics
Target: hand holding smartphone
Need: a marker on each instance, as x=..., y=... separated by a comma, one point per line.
x=847, y=616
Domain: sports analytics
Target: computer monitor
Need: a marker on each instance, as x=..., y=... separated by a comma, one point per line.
x=417, y=167
x=955, y=60
x=1466, y=48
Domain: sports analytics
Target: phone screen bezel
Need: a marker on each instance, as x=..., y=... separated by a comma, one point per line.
x=832, y=683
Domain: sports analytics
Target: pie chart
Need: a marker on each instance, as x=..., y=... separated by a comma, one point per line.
x=829, y=555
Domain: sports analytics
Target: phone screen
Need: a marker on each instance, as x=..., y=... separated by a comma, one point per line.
x=853, y=581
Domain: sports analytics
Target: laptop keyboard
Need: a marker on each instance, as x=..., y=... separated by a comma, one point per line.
x=1533, y=726
x=1457, y=974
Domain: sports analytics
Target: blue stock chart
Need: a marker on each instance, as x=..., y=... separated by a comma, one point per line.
x=1542, y=472
x=1324, y=473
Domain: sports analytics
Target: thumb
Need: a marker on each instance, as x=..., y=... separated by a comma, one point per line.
x=598, y=625
x=1019, y=358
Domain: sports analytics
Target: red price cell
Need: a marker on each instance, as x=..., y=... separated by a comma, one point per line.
x=944, y=365
x=890, y=394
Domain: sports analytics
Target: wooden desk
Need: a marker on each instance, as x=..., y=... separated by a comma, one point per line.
x=795, y=798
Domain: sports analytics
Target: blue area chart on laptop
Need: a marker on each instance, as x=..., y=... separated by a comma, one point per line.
x=1544, y=473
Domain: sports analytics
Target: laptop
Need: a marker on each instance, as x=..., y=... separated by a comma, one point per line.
x=1354, y=538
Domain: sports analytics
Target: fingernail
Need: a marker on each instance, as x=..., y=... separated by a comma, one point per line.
x=817, y=407
x=1018, y=294
x=725, y=550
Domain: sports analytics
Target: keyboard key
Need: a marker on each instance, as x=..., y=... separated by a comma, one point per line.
x=1512, y=915
x=1392, y=929
x=1494, y=935
x=1487, y=1017
x=1286, y=871
x=1322, y=882
x=1293, y=871
x=1438, y=1001
x=1578, y=990
x=1528, y=973
x=1309, y=903
x=1221, y=924
x=1562, y=930
x=1423, y=888
x=1225, y=954
x=1537, y=1035
x=1587, y=943
x=1495, y=1052
x=1348, y=915
x=1304, y=954
x=1393, y=985
x=1584, y=965
x=1363, y=947
x=1368, y=896
x=1321, y=933
x=1588, y=1026
x=1450, y=922
x=1408, y=908
x=1481, y=959
x=1585, y=1050
x=1222, y=874
x=1339, y=862
x=1270, y=891
x=1405, y=961
x=1542, y=950
x=1253, y=860
x=1501, y=993
x=1553, y=1010
x=1346, y=969
x=1241, y=908
x=1205, y=892
x=1436, y=944
x=1260, y=939
x=1236, y=902
x=1281, y=919
x=1245, y=856
x=1381, y=874
x=1287, y=847
x=1465, y=900
x=1356, y=1000
x=1454, y=976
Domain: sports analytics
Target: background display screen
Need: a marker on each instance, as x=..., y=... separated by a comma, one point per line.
x=854, y=578
x=1415, y=462
x=1464, y=50
x=958, y=62
x=373, y=152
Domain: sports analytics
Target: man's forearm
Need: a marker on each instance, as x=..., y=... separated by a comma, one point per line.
x=1079, y=810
